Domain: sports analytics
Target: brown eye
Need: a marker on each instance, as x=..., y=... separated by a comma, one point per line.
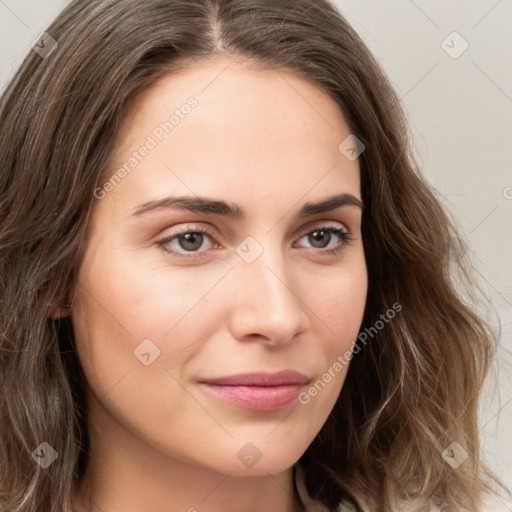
x=321, y=238
x=191, y=241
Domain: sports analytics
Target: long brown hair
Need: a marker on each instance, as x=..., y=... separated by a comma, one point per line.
x=409, y=393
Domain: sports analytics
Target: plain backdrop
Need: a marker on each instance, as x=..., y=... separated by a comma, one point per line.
x=451, y=63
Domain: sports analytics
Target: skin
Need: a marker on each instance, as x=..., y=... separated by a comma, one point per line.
x=268, y=142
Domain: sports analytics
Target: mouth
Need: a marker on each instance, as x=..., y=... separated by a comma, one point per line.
x=258, y=391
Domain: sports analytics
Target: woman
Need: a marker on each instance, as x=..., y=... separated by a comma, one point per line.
x=226, y=285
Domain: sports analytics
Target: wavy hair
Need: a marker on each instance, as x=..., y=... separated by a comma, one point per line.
x=409, y=393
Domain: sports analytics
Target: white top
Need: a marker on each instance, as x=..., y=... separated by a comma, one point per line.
x=492, y=503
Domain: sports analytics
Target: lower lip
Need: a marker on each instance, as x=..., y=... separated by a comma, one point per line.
x=257, y=398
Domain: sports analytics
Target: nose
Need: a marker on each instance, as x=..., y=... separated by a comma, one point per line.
x=266, y=301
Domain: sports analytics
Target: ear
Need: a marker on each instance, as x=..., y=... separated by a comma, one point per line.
x=61, y=312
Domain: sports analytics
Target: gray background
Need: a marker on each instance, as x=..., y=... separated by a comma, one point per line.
x=459, y=107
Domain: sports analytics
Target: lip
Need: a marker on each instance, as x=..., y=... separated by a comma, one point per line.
x=258, y=391
x=281, y=378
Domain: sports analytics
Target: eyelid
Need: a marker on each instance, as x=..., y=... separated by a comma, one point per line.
x=322, y=224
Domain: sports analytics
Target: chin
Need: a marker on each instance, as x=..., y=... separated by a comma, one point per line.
x=257, y=458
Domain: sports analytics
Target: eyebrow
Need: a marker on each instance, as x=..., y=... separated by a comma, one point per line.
x=218, y=207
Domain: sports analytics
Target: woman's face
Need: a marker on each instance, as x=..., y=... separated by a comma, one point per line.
x=271, y=285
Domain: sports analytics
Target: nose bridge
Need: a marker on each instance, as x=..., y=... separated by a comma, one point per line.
x=266, y=302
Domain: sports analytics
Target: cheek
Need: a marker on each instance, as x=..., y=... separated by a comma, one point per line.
x=136, y=327
x=339, y=308
x=125, y=308
x=340, y=305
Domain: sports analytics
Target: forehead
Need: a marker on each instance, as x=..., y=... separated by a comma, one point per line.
x=250, y=127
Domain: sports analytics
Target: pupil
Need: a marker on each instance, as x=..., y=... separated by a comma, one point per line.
x=317, y=236
x=195, y=239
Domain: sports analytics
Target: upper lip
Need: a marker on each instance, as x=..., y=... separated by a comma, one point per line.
x=260, y=379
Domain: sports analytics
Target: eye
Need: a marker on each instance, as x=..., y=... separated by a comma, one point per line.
x=320, y=238
x=186, y=240
x=192, y=239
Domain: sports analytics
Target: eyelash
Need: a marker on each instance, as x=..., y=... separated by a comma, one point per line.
x=343, y=234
